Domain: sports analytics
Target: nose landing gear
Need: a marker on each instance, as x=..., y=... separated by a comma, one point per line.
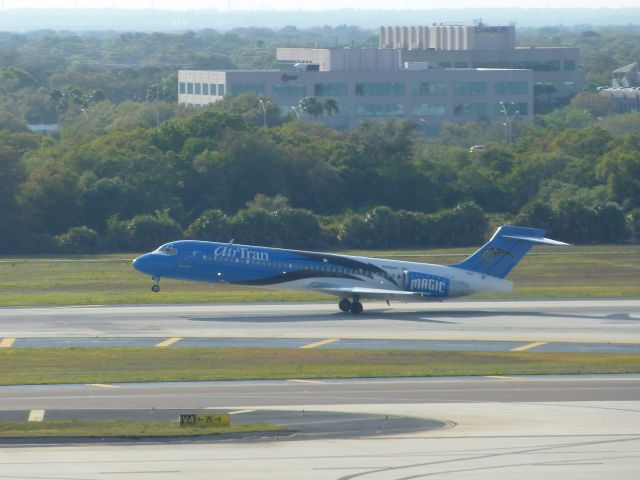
x=155, y=288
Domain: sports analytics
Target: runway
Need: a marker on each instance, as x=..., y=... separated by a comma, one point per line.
x=552, y=427
x=521, y=322
x=300, y=393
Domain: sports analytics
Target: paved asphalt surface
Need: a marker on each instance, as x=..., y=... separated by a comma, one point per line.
x=296, y=425
x=552, y=427
x=373, y=344
x=581, y=325
x=261, y=394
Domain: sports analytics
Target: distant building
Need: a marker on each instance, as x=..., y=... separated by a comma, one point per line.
x=45, y=128
x=627, y=76
x=556, y=70
x=426, y=74
x=625, y=88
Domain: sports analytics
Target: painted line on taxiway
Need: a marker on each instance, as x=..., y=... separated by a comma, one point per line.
x=300, y=380
x=168, y=342
x=320, y=343
x=528, y=346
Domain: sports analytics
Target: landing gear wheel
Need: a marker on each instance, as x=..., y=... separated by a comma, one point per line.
x=356, y=307
x=155, y=288
x=344, y=305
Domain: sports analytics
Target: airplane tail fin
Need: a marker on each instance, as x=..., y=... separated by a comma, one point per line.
x=506, y=248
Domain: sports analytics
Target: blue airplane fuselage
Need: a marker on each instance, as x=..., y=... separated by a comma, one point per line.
x=345, y=276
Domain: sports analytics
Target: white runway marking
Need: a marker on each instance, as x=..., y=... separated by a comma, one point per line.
x=36, y=416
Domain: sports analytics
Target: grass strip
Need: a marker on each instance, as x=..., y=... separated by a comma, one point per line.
x=564, y=272
x=115, y=365
x=120, y=428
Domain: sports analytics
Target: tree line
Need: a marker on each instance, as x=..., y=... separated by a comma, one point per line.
x=116, y=181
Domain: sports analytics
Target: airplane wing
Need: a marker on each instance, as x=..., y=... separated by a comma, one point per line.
x=373, y=293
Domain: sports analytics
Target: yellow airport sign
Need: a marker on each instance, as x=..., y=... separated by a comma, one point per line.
x=213, y=419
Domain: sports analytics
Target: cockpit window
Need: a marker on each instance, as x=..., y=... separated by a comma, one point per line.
x=166, y=250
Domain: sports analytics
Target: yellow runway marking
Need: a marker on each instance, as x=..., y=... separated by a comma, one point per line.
x=320, y=343
x=36, y=416
x=304, y=381
x=528, y=346
x=7, y=342
x=168, y=342
x=103, y=385
x=503, y=377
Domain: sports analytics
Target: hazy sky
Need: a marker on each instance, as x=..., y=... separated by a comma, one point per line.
x=296, y=4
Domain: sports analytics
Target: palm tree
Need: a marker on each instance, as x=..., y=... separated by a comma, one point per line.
x=311, y=106
x=331, y=106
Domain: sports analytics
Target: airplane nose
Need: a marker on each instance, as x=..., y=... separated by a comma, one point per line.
x=139, y=263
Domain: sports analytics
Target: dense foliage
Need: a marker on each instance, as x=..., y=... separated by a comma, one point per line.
x=215, y=175
x=131, y=169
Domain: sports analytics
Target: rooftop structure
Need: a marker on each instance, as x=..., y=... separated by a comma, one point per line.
x=448, y=37
x=627, y=76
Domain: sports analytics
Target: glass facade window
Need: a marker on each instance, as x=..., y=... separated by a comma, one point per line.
x=470, y=110
x=221, y=89
x=330, y=89
x=429, y=110
x=386, y=89
x=511, y=88
x=429, y=88
x=198, y=90
x=212, y=89
x=444, y=65
x=287, y=90
x=190, y=88
x=512, y=108
x=461, y=65
x=205, y=89
x=569, y=65
x=240, y=88
x=470, y=88
x=183, y=87
x=380, y=110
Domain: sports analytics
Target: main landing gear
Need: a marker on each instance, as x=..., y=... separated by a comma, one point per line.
x=347, y=306
x=155, y=288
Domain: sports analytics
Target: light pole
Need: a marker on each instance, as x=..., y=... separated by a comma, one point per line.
x=264, y=113
x=507, y=121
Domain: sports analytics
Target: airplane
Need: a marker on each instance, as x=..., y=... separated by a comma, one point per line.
x=349, y=277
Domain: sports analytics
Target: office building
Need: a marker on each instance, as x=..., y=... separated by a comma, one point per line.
x=426, y=74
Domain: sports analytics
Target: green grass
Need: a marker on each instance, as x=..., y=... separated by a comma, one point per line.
x=564, y=272
x=114, y=365
x=120, y=428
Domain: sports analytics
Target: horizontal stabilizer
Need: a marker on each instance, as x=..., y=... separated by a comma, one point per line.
x=544, y=240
